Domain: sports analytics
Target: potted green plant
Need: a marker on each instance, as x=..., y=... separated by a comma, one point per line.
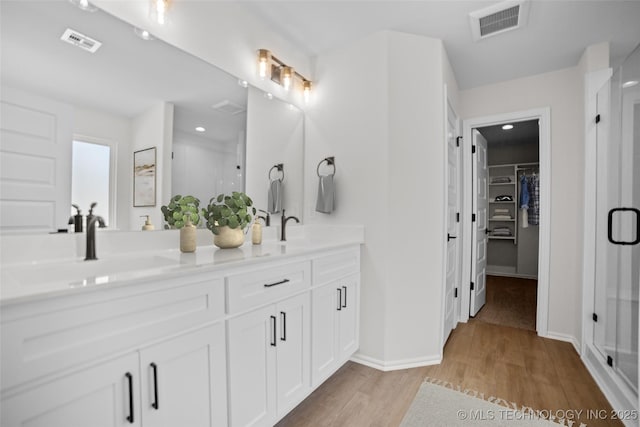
x=227, y=216
x=180, y=210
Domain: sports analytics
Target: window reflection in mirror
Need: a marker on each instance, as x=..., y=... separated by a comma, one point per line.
x=91, y=178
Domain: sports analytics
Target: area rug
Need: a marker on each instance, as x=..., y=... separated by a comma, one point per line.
x=510, y=302
x=439, y=403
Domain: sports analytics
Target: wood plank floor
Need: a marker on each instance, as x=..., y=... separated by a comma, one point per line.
x=510, y=363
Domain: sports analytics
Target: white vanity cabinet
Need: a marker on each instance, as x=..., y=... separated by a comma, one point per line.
x=90, y=359
x=269, y=346
x=335, y=308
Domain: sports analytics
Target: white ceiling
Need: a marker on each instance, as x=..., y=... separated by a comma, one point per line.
x=556, y=34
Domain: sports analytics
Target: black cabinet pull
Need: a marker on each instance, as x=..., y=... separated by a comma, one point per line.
x=610, y=226
x=268, y=285
x=283, y=317
x=273, y=331
x=130, y=379
x=339, y=299
x=345, y=297
x=155, y=404
x=449, y=236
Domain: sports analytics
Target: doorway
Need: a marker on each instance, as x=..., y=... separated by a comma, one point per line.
x=492, y=243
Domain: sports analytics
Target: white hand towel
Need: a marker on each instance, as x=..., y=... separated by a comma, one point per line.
x=525, y=218
x=274, y=201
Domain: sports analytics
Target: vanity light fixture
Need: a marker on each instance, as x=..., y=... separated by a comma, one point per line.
x=200, y=129
x=158, y=10
x=281, y=73
x=507, y=127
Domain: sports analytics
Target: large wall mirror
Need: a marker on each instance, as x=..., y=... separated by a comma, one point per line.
x=72, y=119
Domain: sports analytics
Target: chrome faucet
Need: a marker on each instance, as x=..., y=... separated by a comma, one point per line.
x=284, y=220
x=91, y=236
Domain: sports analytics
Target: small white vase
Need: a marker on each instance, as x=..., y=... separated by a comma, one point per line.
x=188, y=237
x=228, y=238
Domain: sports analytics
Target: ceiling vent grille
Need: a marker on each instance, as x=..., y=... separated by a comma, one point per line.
x=497, y=19
x=228, y=107
x=80, y=40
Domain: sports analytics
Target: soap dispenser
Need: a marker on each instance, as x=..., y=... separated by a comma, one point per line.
x=76, y=220
x=188, y=236
x=147, y=224
x=256, y=232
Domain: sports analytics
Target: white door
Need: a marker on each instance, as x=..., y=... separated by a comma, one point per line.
x=325, y=354
x=453, y=227
x=35, y=163
x=103, y=396
x=252, y=340
x=479, y=227
x=348, y=316
x=182, y=380
x=293, y=346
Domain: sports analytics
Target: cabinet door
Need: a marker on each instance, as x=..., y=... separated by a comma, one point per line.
x=105, y=395
x=184, y=380
x=252, y=338
x=349, y=317
x=324, y=348
x=293, y=352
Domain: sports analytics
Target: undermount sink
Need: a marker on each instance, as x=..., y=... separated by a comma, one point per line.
x=82, y=272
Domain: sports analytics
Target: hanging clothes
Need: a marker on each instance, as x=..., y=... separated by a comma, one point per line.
x=534, y=200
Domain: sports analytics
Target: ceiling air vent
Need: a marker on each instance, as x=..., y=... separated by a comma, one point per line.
x=78, y=39
x=228, y=107
x=505, y=16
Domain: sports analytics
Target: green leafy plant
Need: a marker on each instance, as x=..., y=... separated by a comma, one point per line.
x=179, y=210
x=235, y=211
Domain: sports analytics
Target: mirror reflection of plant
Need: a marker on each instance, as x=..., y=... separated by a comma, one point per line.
x=234, y=211
x=179, y=210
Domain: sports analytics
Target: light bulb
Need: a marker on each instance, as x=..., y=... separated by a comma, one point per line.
x=287, y=77
x=306, y=91
x=159, y=11
x=263, y=62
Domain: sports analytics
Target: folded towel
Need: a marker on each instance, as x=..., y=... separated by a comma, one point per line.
x=500, y=180
x=501, y=217
x=274, y=201
x=501, y=210
x=326, y=195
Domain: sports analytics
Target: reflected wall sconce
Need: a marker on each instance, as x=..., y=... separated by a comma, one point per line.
x=158, y=10
x=271, y=67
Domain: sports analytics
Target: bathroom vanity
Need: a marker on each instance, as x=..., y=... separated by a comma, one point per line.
x=156, y=337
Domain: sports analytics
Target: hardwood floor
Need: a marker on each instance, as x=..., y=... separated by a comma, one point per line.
x=513, y=364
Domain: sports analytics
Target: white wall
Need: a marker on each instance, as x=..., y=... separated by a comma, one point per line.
x=95, y=126
x=562, y=92
x=154, y=128
x=386, y=131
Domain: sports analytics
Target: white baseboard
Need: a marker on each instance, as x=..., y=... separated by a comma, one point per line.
x=395, y=365
x=565, y=338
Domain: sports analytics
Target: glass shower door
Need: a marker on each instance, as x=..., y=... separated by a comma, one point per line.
x=618, y=221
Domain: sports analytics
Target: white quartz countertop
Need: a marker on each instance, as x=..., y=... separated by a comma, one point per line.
x=37, y=279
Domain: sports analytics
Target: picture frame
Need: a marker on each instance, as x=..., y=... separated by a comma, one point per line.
x=144, y=177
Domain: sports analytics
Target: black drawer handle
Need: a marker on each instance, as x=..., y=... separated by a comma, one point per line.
x=449, y=237
x=345, y=297
x=283, y=334
x=339, y=299
x=130, y=380
x=155, y=405
x=610, y=226
x=268, y=285
x=273, y=331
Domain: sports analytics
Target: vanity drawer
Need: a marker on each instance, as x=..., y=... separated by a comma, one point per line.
x=43, y=337
x=248, y=290
x=335, y=266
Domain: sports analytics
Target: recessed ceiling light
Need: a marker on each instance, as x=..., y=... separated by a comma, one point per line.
x=268, y=95
x=243, y=83
x=630, y=83
x=142, y=33
x=507, y=127
x=200, y=129
x=84, y=5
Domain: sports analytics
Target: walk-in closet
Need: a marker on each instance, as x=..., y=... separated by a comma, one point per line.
x=513, y=218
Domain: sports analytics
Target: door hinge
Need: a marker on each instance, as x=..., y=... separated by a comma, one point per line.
x=610, y=361
x=594, y=317
x=457, y=216
x=473, y=217
x=597, y=118
x=455, y=293
x=472, y=286
x=473, y=149
x=458, y=139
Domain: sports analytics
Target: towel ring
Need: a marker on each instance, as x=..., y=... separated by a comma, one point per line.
x=331, y=161
x=280, y=168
